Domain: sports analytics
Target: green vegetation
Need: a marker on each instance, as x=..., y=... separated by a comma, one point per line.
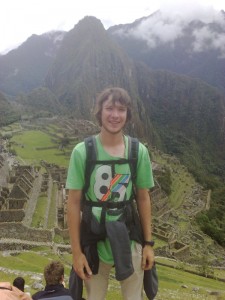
x=165, y=180
x=52, y=208
x=35, y=145
x=8, y=114
x=39, y=214
x=171, y=280
x=211, y=222
x=181, y=182
x=30, y=263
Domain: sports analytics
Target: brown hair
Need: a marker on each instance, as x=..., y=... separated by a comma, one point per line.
x=53, y=273
x=116, y=94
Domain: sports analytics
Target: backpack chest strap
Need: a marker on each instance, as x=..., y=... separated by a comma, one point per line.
x=108, y=204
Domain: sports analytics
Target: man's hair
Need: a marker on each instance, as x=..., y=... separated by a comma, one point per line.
x=53, y=273
x=116, y=94
x=19, y=282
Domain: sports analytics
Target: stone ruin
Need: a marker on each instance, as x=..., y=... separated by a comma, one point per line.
x=58, y=174
x=179, y=250
x=81, y=128
x=1, y=161
x=15, y=199
x=13, y=203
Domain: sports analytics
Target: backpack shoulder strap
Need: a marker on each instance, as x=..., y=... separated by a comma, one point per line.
x=133, y=148
x=91, y=157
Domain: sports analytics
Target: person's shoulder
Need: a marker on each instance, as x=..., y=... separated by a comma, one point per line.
x=66, y=290
x=141, y=146
x=37, y=295
x=6, y=285
x=78, y=148
x=82, y=145
x=79, y=145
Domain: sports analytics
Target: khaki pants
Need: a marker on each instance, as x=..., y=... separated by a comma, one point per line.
x=131, y=287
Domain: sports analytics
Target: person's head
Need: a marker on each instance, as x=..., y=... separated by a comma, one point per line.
x=19, y=282
x=54, y=273
x=115, y=95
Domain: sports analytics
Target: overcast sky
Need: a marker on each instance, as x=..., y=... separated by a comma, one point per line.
x=19, y=19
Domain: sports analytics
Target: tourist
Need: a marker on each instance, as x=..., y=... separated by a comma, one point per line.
x=54, y=278
x=108, y=235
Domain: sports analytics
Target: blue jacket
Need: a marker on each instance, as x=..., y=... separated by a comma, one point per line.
x=53, y=292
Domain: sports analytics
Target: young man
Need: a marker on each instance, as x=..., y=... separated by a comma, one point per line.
x=107, y=212
x=54, y=289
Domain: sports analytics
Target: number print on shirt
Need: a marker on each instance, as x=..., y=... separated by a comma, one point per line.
x=107, y=187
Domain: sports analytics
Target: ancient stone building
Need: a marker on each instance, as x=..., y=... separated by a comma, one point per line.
x=13, y=203
x=179, y=250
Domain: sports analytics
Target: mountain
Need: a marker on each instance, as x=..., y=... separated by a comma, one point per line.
x=7, y=112
x=188, y=118
x=39, y=100
x=87, y=62
x=25, y=68
x=193, y=45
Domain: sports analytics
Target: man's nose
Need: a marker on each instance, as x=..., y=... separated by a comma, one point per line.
x=115, y=113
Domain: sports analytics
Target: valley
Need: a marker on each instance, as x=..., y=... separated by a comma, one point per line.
x=34, y=157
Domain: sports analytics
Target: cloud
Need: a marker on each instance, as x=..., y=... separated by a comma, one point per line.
x=158, y=29
x=170, y=22
x=206, y=39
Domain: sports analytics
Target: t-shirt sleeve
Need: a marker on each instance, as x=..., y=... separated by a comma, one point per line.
x=75, y=175
x=144, y=169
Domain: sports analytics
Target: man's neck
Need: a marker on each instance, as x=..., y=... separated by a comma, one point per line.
x=110, y=139
x=113, y=143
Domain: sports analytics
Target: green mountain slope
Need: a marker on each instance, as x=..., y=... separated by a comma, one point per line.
x=7, y=112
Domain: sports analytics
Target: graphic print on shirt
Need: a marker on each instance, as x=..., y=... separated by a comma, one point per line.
x=110, y=187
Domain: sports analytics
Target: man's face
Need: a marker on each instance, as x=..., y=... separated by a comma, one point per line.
x=114, y=116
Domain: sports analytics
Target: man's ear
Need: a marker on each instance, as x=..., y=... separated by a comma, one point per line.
x=62, y=281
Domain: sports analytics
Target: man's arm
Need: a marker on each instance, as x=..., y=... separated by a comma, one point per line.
x=144, y=209
x=80, y=263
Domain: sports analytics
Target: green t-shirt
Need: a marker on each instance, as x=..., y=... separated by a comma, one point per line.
x=106, y=184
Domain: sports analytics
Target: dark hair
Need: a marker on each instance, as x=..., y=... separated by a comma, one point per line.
x=53, y=273
x=19, y=282
x=116, y=94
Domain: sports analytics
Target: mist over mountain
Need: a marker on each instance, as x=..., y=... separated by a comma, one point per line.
x=25, y=67
x=191, y=42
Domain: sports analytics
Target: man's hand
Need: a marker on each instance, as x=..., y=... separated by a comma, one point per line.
x=148, y=257
x=81, y=267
